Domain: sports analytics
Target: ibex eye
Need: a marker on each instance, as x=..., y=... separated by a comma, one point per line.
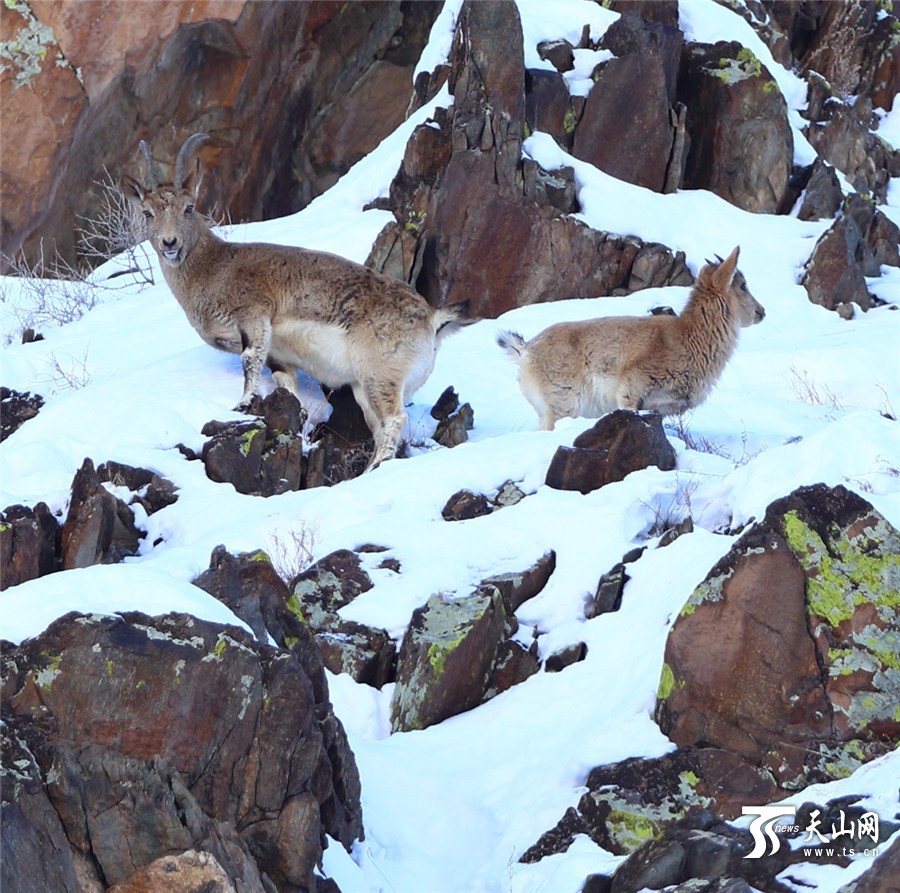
x=148, y=215
x=188, y=210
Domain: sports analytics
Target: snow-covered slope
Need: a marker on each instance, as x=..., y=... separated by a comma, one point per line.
x=452, y=808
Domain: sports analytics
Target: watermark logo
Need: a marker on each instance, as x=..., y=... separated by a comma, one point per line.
x=770, y=820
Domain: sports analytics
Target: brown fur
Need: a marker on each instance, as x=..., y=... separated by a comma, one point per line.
x=292, y=308
x=662, y=363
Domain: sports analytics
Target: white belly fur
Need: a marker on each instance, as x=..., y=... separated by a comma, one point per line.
x=320, y=350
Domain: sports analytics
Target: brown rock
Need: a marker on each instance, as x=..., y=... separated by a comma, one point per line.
x=99, y=528
x=232, y=732
x=474, y=222
x=741, y=142
x=186, y=872
x=29, y=544
x=792, y=623
x=841, y=134
x=516, y=588
x=619, y=443
x=16, y=410
x=446, y=658
x=834, y=274
x=464, y=505
x=822, y=196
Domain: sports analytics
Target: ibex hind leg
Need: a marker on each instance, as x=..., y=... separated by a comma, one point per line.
x=284, y=375
x=382, y=405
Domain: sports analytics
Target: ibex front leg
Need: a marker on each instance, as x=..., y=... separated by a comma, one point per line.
x=256, y=338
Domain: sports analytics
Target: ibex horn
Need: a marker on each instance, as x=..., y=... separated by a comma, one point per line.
x=153, y=180
x=189, y=144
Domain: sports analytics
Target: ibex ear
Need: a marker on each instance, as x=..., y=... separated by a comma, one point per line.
x=725, y=271
x=132, y=190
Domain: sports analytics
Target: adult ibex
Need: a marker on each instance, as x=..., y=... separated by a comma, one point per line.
x=292, y=308
x=665, y=363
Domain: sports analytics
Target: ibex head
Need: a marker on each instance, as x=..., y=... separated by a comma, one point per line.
x=172, y=226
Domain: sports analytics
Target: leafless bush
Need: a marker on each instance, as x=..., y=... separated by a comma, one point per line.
x=55, y=293
x=67, y=373
x=290, y=550
x=116, y=230
x=806, y=389
x=697, y=442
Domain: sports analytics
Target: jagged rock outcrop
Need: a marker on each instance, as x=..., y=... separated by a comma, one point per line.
x=16, y=409
x=366, y=653
x=855, y=246
x=848, y=44
x=86, y=82
x=474, y=221
x=619, y=443
x=99, y=528
x=29, y=544
x=798, y=624
x=841, y=133
x=255, y=777
x=262, y=456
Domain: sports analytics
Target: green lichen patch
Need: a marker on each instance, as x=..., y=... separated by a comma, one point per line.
x=666, y=683
x=28, y=49
x=745, y=65
x=247, y=439
x=851, y=573
x=45, y=677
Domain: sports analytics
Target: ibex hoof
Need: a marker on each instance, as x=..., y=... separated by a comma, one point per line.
x=250, y=406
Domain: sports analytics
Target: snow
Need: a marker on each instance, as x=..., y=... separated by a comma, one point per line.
x=453, y=807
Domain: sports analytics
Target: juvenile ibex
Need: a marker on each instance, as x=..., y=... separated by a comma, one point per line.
x=292, y=308
x=664, y=363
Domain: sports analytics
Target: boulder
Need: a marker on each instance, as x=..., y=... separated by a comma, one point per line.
x=255, y=777
x=366, y=653
x=833, y=275
x=149, y=490
x=454, y=420
x=16, y=410
x=822, y=194
x=855, y=246
x=741, y=144
x=29, y=544
x=798, y=624
x=465, y=505
x=625, y=128
x=619, y=443
x=250, y=586
x=446, y=658
x=99, y=527
x=516, y=588
x=263, y=456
